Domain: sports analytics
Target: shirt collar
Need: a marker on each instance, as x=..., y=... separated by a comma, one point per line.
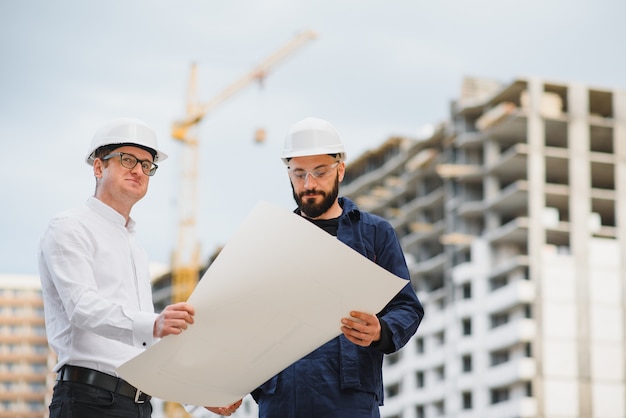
x=109, y=213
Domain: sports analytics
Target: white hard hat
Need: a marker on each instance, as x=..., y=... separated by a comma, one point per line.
x=312, y=136
x=125, y=131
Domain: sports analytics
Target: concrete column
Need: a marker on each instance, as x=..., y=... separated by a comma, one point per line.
x=491, y=185
x=536, y=234
x=619, y=146
x=580, y=211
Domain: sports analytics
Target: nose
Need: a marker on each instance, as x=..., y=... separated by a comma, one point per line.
x=308, y=178
x=137, y=169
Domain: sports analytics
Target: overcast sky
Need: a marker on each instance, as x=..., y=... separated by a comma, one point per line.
x=377, y=69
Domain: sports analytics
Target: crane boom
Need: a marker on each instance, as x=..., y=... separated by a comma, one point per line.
x=257, y=73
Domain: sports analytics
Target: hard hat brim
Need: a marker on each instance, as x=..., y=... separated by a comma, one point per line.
x=159, y=156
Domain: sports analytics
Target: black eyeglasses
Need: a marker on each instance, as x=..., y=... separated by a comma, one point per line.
x=130, y=161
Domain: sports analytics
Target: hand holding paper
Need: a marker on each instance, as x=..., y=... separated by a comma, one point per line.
x=361, y=328
x=173, y=320
x=253, y=310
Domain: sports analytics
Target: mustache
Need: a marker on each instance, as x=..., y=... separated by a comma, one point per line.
x=312, y=192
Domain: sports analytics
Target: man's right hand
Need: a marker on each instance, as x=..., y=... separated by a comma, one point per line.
x=173, y=320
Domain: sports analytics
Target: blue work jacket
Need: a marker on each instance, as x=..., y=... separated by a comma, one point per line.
x=360, y=368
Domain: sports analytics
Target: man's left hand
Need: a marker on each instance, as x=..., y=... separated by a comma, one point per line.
x=225, y=410
x=361, y=328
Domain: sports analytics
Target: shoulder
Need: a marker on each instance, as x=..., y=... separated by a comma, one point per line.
x=69, y=221
x=71, y=215
x=351, y=210
x=375, y=219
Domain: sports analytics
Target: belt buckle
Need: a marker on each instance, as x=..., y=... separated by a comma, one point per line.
x=137, y=395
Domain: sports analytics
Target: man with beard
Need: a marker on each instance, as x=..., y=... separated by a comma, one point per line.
x=342, y=378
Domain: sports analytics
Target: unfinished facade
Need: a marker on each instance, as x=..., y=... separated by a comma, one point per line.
x=25, y=360
x=511, y=216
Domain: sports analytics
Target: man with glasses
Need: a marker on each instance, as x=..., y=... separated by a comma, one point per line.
x=96, y=282
x=342, y=378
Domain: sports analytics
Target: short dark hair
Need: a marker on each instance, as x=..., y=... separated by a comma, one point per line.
x=105, y=150
x=332, y=155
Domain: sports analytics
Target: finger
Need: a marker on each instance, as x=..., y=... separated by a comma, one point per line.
x=354, y=336
x=175, y=324
x=179, y=328
x=183, y=306
x=355, y=340
x=174, y=330
x=354, y=325
x=176, y=317
x=350, y=330
x=181, y=309
x=174, y=313
x=365, y=317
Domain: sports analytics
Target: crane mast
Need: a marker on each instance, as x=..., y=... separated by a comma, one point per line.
x=186, y=256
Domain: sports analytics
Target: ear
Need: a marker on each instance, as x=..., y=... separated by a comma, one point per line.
x=98, y=167
x=342, y=171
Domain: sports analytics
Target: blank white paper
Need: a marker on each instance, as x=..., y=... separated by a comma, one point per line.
x=277, y=291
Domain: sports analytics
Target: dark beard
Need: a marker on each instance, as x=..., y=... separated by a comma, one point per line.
x=309, y=207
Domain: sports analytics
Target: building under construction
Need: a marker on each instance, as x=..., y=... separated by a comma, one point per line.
x=25, y=360
x=509, y=215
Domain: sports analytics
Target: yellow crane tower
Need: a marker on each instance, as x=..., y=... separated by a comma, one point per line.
x=186, y=256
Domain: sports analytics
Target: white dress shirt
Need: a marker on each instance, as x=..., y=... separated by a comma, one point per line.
x=96, y=288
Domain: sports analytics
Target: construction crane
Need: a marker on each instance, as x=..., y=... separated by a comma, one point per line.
x=186, y=256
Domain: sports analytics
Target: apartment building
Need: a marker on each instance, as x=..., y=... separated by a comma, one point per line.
x=509, y=214
x=25, y=359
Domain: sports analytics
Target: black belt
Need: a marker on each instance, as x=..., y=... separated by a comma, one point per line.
x=102, y=380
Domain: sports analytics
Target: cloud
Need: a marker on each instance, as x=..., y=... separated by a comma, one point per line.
x=375, y=70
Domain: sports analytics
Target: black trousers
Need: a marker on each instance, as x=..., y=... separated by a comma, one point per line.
x=73, y=400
